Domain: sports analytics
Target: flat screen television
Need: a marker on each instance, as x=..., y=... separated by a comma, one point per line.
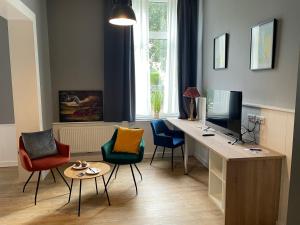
x=224, y=112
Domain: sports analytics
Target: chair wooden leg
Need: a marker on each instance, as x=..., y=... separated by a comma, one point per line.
x=27, y=181
x=182, y=152
x=138, y=171
x=53, y=175
x=37, y=187
x=153, y=155
x=136, y=190
x=163, y=152
x=172, y=159
x=117, y=171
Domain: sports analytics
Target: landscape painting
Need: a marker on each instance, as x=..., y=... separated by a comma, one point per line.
x=263, y=40
x=80, y=106
x=221, y=51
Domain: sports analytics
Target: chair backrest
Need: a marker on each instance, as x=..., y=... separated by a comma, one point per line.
x=114, y=137
x=158, y=127
x=21, y=143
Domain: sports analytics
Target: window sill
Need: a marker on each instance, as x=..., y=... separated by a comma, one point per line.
x=149, y=118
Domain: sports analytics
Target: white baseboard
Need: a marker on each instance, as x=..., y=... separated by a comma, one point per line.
x=8, y=164
x=8, y=145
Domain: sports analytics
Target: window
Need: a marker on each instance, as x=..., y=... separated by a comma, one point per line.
x=155, y=37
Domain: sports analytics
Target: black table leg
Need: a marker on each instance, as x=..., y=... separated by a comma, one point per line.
x=79, y=200
x=105, y=190
x=96, y=185
x=70, y=191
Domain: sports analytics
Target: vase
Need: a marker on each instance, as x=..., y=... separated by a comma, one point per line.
x=156, y=115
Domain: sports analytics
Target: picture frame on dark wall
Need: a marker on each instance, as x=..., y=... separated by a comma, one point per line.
x=263, y=45
x=80, y=106
x=221, y=52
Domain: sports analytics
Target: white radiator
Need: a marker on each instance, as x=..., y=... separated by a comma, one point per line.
x=85, y=139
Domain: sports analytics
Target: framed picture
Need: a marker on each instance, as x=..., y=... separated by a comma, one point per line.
x=80, y=106
x=221, y=51
x=263, y=43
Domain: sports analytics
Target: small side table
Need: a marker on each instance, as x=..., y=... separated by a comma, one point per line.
x=73, y=174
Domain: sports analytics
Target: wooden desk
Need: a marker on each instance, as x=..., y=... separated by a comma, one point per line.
x=245, y=185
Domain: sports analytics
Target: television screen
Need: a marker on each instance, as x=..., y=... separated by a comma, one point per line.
x=224, y=110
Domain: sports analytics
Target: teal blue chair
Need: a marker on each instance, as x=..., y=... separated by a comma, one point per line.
x=118, y=158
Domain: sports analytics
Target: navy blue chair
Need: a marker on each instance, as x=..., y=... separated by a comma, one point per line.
x=166, y=138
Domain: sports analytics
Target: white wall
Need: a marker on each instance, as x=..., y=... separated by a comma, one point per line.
x=8, y=145
x=40, y=9
x=24, y=61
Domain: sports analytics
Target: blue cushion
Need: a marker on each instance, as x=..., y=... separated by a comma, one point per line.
x=178, y=141
x=39, y=144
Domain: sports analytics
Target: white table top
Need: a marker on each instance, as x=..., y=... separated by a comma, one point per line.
x=219, y=143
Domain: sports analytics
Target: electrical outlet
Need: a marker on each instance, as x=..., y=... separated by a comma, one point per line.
x=260, y=119
x=251, y=118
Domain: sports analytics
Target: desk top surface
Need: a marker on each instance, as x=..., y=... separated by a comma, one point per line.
x=219, y=143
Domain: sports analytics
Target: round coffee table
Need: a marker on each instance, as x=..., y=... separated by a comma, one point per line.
x=82, y=175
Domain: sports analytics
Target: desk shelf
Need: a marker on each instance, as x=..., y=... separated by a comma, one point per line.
x=237, y=177
x=217, y=179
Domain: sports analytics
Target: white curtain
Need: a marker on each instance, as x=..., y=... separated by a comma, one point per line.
x=141, y=51
x=200, y=48
x=171, y=82
x=142, y=67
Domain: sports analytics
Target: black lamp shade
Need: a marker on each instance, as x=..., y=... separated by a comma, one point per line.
x=122, y=15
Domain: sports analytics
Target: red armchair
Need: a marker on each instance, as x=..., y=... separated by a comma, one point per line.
x=46, y=163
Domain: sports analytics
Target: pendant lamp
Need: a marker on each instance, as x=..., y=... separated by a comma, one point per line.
x=122, y=13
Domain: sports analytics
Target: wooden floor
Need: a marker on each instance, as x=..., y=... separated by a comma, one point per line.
x=164, y=197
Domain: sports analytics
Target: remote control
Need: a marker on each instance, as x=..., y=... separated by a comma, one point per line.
x=207, y=135
x=256, y=149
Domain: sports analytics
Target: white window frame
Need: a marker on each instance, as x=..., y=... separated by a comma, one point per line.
x=153, y=35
